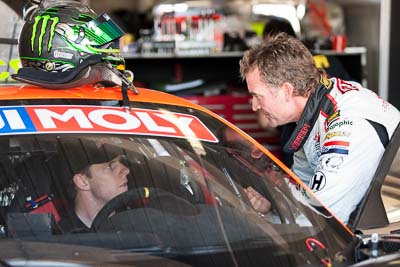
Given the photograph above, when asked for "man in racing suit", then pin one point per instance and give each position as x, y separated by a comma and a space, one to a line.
342, 128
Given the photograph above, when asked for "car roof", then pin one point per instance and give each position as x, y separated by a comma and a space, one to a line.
24, 91
27, 92
90, 92
364, 217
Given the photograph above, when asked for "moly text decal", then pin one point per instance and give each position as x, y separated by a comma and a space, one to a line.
80, 119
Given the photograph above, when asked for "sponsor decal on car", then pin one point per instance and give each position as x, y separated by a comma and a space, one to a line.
94, 119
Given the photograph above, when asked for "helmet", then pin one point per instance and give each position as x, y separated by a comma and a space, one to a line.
64, 44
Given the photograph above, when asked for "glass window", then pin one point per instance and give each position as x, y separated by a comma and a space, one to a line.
182, 199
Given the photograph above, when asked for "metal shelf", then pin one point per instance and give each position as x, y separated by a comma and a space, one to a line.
356, 50
223, 66
173, 55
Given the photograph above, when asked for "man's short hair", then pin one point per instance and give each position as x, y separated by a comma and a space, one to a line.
282, 59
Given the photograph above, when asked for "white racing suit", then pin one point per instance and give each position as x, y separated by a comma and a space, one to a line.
339, 141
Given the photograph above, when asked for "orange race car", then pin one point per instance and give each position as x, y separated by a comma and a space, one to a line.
115, 175
182, 176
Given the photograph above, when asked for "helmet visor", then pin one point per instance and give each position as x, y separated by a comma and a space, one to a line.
102, 30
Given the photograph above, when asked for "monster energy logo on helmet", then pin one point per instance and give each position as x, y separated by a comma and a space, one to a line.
46, 20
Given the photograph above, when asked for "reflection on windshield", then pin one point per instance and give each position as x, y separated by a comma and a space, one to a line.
157, 196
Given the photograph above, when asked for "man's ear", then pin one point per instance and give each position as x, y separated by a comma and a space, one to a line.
288, 90
81, 181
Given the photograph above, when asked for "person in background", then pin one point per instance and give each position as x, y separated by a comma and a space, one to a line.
341, 131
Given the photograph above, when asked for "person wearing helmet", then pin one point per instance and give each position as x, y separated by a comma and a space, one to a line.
65, 44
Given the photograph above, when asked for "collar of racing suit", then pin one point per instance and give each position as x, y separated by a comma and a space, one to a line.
318, 101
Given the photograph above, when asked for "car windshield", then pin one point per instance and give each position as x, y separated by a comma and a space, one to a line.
184, 196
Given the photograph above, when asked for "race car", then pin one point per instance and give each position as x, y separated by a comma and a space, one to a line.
108, 176
183, 200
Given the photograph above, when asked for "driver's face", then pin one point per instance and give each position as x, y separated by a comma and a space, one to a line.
108, 179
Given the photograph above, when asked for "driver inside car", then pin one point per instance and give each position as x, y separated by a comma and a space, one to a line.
93, 187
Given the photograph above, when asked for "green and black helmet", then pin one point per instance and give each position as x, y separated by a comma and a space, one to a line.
65, 44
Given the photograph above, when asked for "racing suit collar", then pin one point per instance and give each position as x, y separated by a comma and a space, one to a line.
316, 102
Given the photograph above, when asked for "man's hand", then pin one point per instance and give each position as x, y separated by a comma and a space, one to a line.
259, 203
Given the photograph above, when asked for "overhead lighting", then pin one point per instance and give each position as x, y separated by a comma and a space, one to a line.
180, 7
287, 12
301, 11
168, 8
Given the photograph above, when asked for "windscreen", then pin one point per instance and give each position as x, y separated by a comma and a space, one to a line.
165, 181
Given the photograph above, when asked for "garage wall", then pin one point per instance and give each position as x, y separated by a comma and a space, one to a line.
362, 18
11, 26
363, 26
394, 56
108, 6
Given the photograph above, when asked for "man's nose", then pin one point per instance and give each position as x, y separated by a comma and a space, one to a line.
255, 105
122, 170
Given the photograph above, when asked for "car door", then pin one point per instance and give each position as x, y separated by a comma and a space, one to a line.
379, 211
